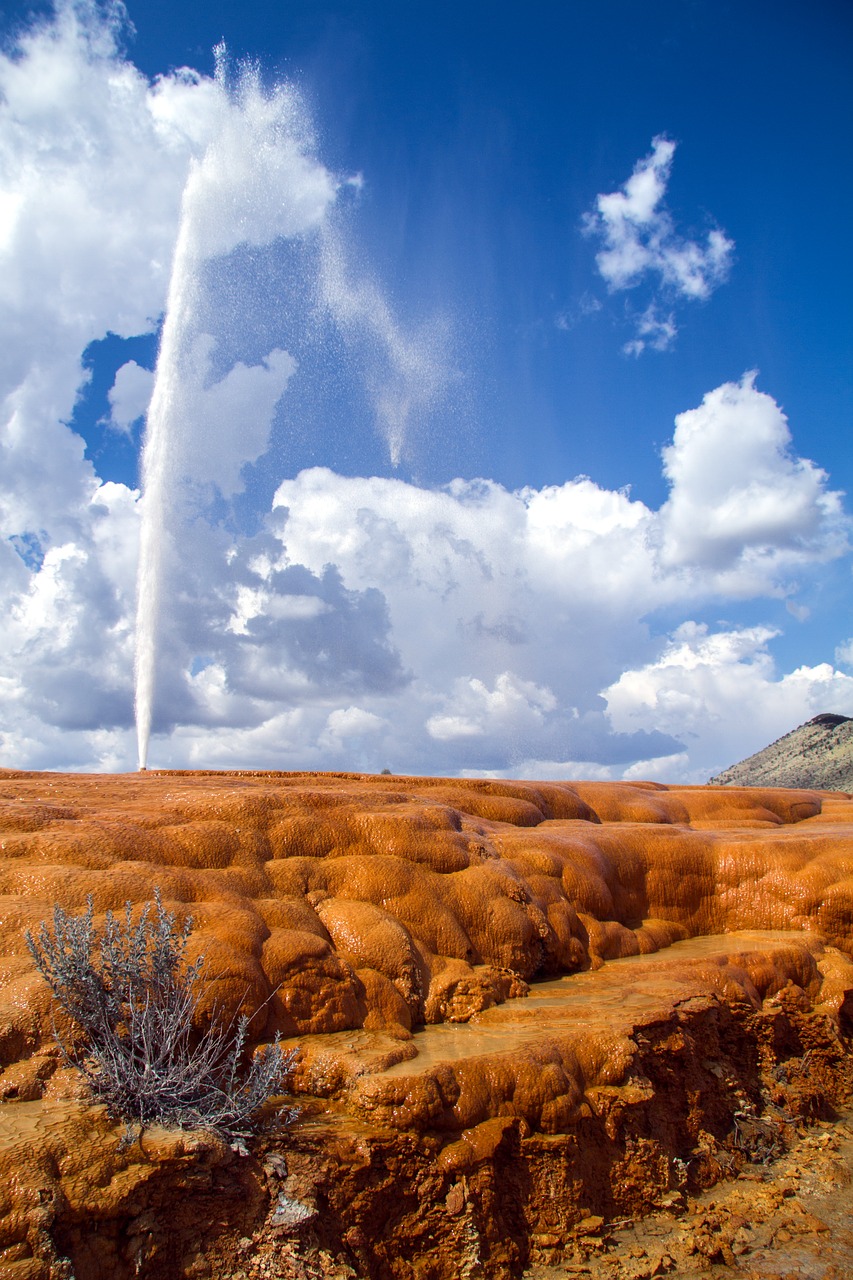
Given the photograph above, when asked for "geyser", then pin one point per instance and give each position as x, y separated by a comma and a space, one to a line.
256, 180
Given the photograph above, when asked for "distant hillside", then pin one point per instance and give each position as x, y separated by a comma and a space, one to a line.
818, 754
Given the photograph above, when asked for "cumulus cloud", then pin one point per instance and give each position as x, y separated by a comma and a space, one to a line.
721, 694
641, 244
218, 425
524, 601
740, 501
372, 623
474, 711
129, 395
67, 643
347, 726
93, 161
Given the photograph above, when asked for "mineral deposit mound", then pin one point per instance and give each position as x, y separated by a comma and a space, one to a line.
520, 1009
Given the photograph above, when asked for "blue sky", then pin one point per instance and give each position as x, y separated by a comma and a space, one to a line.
571, 226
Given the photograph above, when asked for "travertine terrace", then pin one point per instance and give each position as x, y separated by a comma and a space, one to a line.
347, 912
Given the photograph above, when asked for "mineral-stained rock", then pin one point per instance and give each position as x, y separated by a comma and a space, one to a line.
345, 912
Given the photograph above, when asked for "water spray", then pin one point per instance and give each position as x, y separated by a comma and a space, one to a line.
257, 180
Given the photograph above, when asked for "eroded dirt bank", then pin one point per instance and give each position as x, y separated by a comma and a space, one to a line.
371, 907
790, 1219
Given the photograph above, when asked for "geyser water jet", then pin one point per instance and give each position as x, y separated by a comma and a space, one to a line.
255, 180
162, 424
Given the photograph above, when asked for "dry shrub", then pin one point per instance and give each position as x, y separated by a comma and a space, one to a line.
132, 996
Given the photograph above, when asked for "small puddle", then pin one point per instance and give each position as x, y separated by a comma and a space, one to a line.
622, 991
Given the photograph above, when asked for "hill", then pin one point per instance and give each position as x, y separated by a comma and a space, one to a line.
818, 754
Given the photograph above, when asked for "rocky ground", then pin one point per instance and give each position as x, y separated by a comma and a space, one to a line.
788, 1219
784, 1220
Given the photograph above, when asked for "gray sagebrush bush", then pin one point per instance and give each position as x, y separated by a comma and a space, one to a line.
132, 995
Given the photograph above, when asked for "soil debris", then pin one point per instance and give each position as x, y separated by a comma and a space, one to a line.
785, 1220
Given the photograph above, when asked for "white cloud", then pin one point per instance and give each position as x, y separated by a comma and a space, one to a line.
653, 330
721, 694
219, 425
257, 603
512, 708
129, 395
93, 160
740, 502
661, 769
94, 167
844, 653
373, 623
641, 244
347, 725
552, 770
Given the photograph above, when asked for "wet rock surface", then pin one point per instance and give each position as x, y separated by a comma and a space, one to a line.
466, 1110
